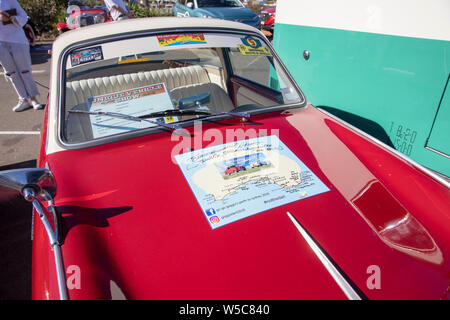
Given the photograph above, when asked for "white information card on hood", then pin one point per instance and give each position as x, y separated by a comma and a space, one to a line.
235, 180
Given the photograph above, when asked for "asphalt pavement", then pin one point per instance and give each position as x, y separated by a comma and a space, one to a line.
19, 131
19, 147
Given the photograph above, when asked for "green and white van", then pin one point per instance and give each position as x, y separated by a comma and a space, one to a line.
382, 66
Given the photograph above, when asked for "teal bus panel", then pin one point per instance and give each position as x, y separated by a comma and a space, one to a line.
389, 86
440, 134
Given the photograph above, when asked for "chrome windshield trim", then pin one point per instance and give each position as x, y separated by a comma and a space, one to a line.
397, 153
341, 281
139, 133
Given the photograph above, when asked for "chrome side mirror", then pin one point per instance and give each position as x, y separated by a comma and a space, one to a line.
37, 185
29, 180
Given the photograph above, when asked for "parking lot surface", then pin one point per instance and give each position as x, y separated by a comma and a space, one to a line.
19, 131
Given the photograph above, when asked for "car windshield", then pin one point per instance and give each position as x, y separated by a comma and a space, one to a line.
218, 3
154, 77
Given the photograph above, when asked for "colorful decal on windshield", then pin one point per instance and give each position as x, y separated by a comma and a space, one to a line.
124, 61
239, 179
181, 39
86, 55
253, 47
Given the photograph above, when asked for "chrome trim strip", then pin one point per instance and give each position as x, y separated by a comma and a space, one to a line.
397, 153
337, 276
438, 152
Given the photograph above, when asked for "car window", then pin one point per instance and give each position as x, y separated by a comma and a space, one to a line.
254, 68
259, 69
154, 76
218, 3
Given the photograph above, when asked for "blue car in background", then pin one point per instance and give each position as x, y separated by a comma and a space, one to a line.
232, 10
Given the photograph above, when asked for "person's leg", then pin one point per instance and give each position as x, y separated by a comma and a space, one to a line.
11, 70
21, 55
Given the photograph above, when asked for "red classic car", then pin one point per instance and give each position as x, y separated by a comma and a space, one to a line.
232, 170
130, 202
268, 19
81, 15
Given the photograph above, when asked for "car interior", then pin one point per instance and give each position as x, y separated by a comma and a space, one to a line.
234, 82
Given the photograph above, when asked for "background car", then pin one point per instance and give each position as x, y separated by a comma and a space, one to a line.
222, 9
268, 19
81, 15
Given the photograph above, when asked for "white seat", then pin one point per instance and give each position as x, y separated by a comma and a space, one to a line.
78, 91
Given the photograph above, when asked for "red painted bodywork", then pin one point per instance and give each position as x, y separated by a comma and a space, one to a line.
131, 227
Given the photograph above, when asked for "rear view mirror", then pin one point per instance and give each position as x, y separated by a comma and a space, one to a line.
37, 185
190, 5
37, 179
194, 101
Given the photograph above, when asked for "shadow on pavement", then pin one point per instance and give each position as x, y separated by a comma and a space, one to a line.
15, 242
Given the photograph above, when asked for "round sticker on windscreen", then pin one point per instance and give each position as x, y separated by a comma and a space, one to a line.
249, 41
253, 47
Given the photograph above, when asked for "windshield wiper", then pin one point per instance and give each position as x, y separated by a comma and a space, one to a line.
173, 128
195, 105
197, 111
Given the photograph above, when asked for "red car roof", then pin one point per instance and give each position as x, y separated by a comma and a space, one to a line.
270, 10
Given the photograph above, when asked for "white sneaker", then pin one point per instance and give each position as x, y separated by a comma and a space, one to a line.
36, 105
22, 105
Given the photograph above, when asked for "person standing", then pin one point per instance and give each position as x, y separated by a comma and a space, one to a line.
117, 10
15, 54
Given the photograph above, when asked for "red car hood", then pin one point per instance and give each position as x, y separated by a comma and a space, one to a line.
133, 227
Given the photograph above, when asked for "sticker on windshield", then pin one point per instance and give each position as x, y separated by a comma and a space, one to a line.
253, 47
239, 179
134, 102
86, 55
181, 39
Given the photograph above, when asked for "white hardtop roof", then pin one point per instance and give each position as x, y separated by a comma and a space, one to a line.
140, 25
